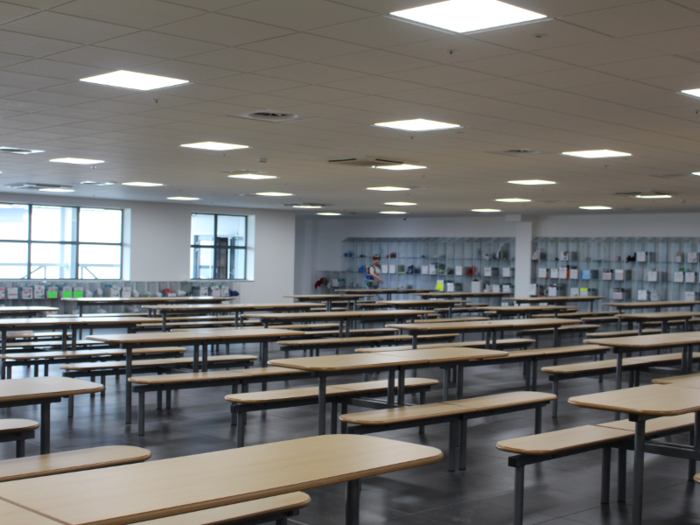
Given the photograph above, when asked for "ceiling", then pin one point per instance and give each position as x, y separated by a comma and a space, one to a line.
599, 74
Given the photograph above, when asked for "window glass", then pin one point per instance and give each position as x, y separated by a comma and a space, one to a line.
232, 229
98, 225
99, 262
202, 263
52, 261
53, 223
237, 270
203, 229
14, 222
13, 260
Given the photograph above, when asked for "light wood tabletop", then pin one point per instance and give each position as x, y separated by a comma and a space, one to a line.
43, 391
154, 489
344, 362
446, 354
446, 295
657, 305
685, 381
19, 311
664, 317
649, 400
12, 514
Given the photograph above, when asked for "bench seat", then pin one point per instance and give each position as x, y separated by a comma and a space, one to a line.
51, 344
71, 461
624, 333
562, 329
456, 413
255, 401
100, 366
18, 430
275, 508
355, 331
500, 345
337, 342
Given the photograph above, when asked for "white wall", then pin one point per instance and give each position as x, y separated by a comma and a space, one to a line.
160, 242
319, 239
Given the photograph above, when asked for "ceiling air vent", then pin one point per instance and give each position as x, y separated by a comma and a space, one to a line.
19, 151
270, 115
518, 152
364, 162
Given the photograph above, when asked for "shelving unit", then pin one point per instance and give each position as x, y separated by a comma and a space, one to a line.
419, 263
620, 268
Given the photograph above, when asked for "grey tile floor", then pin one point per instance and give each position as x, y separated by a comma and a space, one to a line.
560, 492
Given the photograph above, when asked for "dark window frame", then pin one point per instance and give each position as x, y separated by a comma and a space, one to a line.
217, 250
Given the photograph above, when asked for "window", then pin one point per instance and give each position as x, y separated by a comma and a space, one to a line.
219, 246
60, 242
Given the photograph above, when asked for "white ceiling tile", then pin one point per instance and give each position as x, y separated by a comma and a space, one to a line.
54, 69
160, 45
204, 92
300, 15
379, 32
440, 75
44, 119
637, 19
31, 46
67, 28
651, 67
239, 60
37, 4
86, 89
172, 114
10, 79
452, 49
222, 29
558, 8
374, 85
672, 42
676, 83
11, 12
142, 14
310, 73
539, 35
385, 6
495, 87
430, 96
303, 46
53, 99
311, 94
377, 62
597, 53
514, 65
119, 108
81, 114
184, 70
164, 99
210, 5
253, 83
22, 106
110, 59
565, 78
136, 120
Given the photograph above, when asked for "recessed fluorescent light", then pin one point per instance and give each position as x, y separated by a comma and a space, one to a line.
329, 213
596, 154
486, 210
57, 190
691, 92
388, 188
74, 160
214, 146
400, 167
401, 203
531, 182
462, 16
595, 207
252, 176
19, 151
183, 198
96, 183
696, 173
418, 124
308, 206
142, 184
653, 196
131, 80
513, 200
393, 212
274, 194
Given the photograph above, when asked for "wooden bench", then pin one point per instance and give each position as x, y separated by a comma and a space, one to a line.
634, 365
276, 508
47, 358
453, 319
232, 378
315, 345
51, 344
343, 395
624, 333
562, 443
456, 413
501, 344
71, 461
18, 430
359, 332
562, 329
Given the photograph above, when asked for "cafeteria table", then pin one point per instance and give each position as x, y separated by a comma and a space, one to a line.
167, 487
656, 305
43, 391
561, 299
26, 311
82, 302
664, 317
350, 299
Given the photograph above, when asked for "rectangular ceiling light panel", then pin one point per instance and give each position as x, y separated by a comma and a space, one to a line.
464, 16
131, 80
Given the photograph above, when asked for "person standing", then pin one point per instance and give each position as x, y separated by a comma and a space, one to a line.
372, 278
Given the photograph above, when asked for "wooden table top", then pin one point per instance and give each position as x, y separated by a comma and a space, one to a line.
685, 381
419, 302
567, 299
447, 354
13, 390
20, 309
231, 307
197, 334
326, 296
525, 309
649, 341
62, 321
460, 294
13, 514
651, 304
659, 316
335, 315
144, 300
154, 489
453, 320
477, 326
650, 400
380, 291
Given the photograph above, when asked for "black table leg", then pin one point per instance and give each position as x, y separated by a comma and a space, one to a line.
352, 503
45, 428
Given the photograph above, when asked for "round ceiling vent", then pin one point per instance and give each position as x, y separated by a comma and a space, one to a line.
273, 116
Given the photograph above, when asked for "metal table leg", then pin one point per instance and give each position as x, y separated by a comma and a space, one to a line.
321, 405
402, 386
638, 484
195, 360
352, 503
127, 374
391, 388
45, 428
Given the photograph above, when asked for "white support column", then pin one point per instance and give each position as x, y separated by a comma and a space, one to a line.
523, 258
